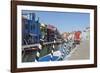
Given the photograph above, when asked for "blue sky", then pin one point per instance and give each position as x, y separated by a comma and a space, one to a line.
65, 21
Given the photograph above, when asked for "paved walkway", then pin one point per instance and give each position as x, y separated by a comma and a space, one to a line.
82, 51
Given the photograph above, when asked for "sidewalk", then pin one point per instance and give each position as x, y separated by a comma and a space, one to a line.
82, 51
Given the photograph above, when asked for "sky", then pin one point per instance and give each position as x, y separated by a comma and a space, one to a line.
64, 21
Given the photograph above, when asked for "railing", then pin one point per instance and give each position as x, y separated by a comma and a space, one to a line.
45, 43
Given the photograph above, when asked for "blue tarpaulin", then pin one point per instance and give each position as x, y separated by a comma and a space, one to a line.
48, 58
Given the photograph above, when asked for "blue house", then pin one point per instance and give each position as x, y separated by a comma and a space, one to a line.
30, 28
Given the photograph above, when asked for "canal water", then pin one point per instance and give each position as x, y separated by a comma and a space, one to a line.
59, 52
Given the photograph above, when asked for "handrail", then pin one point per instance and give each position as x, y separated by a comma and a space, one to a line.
45, 43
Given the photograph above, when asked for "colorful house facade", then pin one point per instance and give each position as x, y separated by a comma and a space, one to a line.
30, 28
